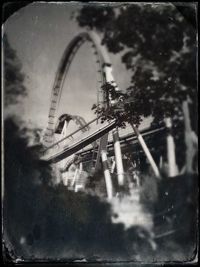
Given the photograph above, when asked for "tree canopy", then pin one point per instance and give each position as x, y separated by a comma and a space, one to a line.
158, 44
13, 82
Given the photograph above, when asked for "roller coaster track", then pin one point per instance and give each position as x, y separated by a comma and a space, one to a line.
129, 139
69, 150
104, 70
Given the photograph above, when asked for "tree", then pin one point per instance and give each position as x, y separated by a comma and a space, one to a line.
13, 82
158, 44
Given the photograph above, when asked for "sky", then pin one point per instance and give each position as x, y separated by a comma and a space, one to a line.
39, 33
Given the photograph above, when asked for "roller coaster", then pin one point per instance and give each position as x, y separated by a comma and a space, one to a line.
61, 148
98, 149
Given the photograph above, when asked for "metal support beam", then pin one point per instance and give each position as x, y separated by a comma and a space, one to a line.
118, 157
109, 187
171, 155
146, 151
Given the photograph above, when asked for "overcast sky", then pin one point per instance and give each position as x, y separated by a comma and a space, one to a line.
40, 33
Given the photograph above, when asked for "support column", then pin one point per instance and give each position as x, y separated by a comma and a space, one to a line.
109, 187
191, 139
75, 178
118, 157
146, 151
161, 162
171, 156
64, 130
113, 167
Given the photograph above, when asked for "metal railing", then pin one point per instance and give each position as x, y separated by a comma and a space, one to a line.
70, 135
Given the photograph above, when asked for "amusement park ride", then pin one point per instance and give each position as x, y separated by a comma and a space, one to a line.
68, 152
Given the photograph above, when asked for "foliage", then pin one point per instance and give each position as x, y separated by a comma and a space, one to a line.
158, 45
13, 81
43, 221
121, 107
